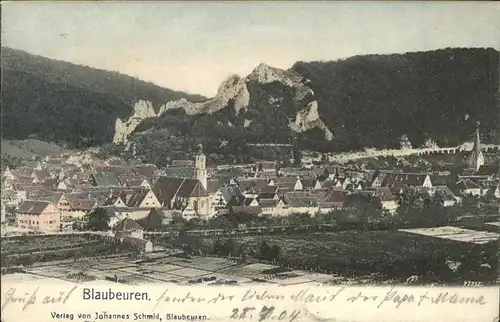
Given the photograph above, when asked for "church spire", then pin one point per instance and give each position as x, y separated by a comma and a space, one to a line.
477, 158
477, 140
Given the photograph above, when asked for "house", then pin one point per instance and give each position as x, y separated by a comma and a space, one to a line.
105, 179
377, 177
131, 183
75, 205
8, 174
266, 166
138, 198
488, 171
293, 183
180, 172
387, 199
407, 179
142, 245
78, 208
288, 171
182, 163
326, 207
7, 184
342, 183
251, 188
14, 198
448, 198
309, 183
320, 173
328, 184
337, 199
303, 205
273, 207
39, 176
269, 192
129, 227
129, 232
145, 170
469, 187
243, 210
231, 193
38, 215
250, 202
113, 218
22, 172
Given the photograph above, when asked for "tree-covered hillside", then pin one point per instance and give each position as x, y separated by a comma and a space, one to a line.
373, 100
63, 102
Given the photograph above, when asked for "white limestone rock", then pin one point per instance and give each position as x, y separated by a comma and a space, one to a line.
142, 110
308, 119
233, 88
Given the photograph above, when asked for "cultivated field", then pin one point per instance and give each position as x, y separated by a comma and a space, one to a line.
28, 244
383, 255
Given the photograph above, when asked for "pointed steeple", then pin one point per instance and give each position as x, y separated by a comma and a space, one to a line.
477, 140
477, 158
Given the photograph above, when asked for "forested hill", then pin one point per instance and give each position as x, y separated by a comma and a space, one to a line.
63, 102
373, 100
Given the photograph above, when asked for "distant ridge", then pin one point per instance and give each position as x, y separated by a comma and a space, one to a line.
79, 104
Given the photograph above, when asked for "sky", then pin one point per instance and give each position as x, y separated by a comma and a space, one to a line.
194, 46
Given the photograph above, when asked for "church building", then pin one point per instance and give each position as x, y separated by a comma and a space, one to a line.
186, 188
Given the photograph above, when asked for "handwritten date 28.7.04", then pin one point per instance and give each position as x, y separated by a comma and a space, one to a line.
266, 313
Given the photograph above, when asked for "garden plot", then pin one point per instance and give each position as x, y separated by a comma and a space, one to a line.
207, 263
251, 271
150, 272
113, 264
108, 273
457, 234
160, 267
54, 271
217, 279
287, 279
137, 280
190, 272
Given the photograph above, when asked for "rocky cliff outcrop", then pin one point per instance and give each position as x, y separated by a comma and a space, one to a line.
232, 89
142, 110
233, 93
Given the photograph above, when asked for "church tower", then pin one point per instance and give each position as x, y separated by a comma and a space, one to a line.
200, 166
476, 159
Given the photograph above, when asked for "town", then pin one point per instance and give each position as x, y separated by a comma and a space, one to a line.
79, 207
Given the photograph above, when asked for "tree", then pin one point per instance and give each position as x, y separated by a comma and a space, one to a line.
299, 219
264, 249
98, 220
153, 221
362, 209
274, 253
220, 222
